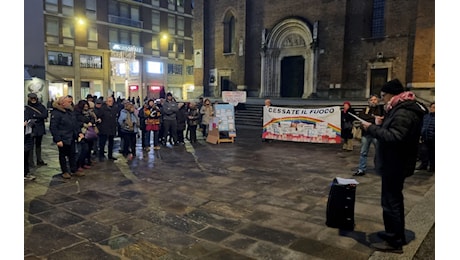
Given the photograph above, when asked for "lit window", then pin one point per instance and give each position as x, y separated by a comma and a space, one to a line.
154, 67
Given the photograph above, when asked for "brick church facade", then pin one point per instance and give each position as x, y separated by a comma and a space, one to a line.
313, 49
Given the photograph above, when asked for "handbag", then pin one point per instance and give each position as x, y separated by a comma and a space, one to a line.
90, 133
152, 127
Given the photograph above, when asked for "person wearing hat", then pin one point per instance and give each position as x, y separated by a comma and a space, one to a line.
36, 111
398, 133
347, 126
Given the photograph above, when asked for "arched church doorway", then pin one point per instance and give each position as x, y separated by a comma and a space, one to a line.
292, 76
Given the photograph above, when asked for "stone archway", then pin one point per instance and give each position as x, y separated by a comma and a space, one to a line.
289, 38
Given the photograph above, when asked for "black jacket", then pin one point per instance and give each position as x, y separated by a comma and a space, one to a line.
369, 114
63, 125
38, 116
398, 138
108, 116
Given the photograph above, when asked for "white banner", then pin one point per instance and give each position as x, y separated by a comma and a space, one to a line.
317, 125
234, 97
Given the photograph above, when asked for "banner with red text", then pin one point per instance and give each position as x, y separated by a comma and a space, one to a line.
316, 125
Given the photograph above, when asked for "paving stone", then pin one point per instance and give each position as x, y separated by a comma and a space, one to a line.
213, 234
133, 226
36, 206
55, 197
93, 231
82, 207
268, 234
43, 239
95, 196
60, 217
325, 251
84, 251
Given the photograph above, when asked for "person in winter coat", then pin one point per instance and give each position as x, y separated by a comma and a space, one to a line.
28, 145
65, 130
37, 111
347, 126
108, 125
427, 138
207, 112
193, 120
373, 110
398, 135
169, 112
129, 129
152, 117
181, 118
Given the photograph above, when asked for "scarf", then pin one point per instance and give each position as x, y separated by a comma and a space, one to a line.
404, 96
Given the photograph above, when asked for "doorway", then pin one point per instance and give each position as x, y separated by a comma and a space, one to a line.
292, 76
378, 78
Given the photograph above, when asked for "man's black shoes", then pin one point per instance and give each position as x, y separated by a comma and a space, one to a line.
113, 158
391, 238
387, 247
359, 173
41, 163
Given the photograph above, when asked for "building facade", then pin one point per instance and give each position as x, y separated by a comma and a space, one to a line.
313, 49
118, 47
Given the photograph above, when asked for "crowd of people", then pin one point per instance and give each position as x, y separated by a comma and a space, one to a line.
398, 128
84, 132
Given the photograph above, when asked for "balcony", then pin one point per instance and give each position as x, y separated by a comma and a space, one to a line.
125, 21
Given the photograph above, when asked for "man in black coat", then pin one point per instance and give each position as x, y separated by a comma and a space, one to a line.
65, 130
398, 134
108, 114
37, 112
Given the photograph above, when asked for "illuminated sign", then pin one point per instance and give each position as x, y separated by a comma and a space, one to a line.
133, 87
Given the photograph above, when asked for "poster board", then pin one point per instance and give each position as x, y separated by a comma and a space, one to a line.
222, 128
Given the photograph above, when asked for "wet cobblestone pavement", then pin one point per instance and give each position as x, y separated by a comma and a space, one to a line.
243, 200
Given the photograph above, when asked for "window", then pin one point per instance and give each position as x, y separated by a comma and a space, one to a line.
51, 6
155, 21
180, 46
180, 26
172, 24
229, 34
135, 13
60, 58
156, 2
155, 46
124, 37
180, 6
52, 30
67, 7
90, 61
91, 9
154, 67
124, 10
378, 19
171, 47
113, 35
68, 33
171, 5
92, 37
189, 70
174, 69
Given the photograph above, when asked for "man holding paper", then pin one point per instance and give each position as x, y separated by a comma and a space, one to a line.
398, 135
369, 114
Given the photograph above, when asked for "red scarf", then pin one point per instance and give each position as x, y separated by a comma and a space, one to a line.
404, 96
